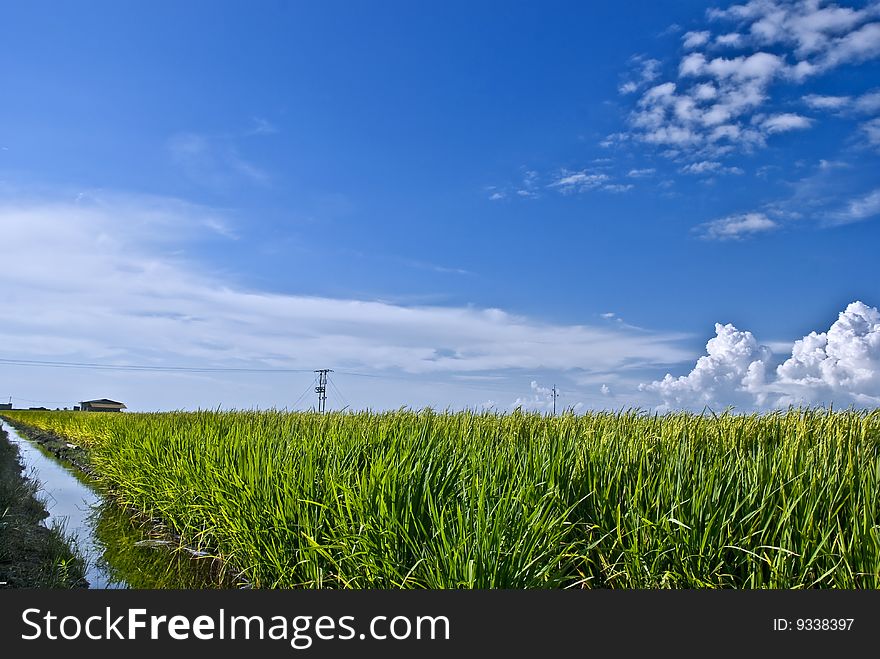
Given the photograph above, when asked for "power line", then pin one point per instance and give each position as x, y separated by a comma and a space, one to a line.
302, 395
342, 398
45, 402
230, 369
144, 367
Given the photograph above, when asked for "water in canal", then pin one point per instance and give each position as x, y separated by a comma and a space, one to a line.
119, 551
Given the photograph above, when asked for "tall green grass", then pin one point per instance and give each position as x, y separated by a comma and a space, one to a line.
465, 500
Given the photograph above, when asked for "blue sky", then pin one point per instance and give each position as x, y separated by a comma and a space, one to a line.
462, 203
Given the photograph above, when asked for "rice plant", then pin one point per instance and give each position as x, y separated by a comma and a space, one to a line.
483, 500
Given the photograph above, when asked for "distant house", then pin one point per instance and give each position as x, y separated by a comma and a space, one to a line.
5, 406
101, 405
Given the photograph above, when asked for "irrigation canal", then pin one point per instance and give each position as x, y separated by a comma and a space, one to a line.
120, 552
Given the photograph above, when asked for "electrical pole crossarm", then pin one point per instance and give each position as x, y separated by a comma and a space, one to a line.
321, 389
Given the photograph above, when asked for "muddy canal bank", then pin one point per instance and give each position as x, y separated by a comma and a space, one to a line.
33, 554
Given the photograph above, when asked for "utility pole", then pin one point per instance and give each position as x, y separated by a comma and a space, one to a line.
321, 389
555, 396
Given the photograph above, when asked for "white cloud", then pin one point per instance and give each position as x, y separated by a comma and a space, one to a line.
818, 102
570, 182
735, 227
641, 173
109, 281
709, 167
840, 366
829, 34
853, 48
541, 400
618, 187
730, 40
648, 70
872, 131
861, 208
715, 107
868, 103
780, 123
826, 165
734, 363
529, 186
695, 39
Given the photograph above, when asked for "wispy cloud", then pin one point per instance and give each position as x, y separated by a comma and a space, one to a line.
736, 227
863, 104
781, 123
646, 71
618, 187
213, 162
121, 290
441, 269
709, 167
871, 129
858, 209
820, 102
262, 126
529, 186
568, 182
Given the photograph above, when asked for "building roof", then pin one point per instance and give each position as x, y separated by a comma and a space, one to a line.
103, 402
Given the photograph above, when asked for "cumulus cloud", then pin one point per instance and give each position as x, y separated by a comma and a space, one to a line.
694, 39
829, 35
718, 103
730, 40
842, 364
839, 366
736, 227
733, 364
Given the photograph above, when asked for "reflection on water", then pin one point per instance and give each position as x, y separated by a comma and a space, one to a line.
137, 558
120, 551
